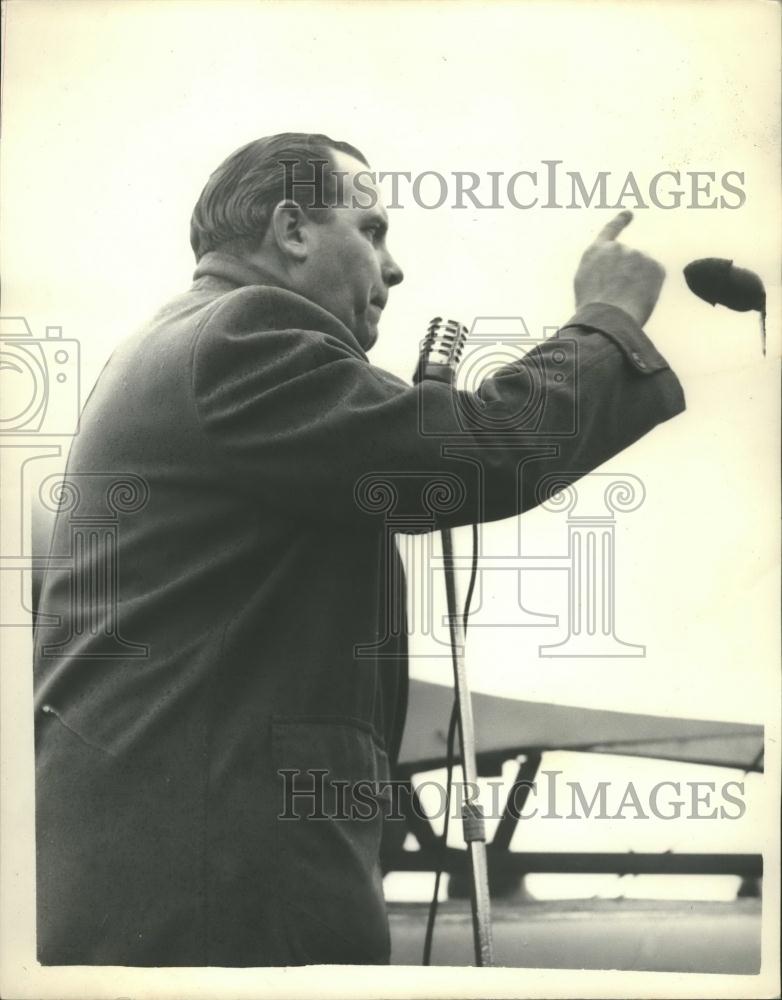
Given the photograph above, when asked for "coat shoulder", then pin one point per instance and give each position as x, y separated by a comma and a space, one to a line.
266, 307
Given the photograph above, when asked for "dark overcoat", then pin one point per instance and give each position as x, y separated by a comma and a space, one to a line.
220, 611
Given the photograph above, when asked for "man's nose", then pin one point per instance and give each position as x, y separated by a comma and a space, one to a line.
392, 272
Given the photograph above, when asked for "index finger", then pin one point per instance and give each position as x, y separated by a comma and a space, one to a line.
612, 229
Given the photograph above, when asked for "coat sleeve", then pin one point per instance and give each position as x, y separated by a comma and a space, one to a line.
307, 425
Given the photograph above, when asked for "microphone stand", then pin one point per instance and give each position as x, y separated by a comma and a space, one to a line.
472, 814
440, 354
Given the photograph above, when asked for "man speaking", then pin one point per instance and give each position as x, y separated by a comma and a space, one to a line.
249, 413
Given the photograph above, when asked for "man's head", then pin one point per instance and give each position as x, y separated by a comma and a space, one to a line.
292, 204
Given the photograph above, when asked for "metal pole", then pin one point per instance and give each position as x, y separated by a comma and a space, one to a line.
472, 815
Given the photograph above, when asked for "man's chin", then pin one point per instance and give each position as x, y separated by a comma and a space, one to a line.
367, 335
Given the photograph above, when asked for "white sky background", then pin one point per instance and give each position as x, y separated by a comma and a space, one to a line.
115, 113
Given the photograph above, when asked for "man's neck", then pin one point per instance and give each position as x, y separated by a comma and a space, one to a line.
241, 269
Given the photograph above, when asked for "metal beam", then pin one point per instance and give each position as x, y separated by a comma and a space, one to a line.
518, 862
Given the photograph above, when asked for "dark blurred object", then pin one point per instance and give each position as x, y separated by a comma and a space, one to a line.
717, 281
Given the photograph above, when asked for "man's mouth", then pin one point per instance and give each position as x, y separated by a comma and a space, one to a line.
379, 301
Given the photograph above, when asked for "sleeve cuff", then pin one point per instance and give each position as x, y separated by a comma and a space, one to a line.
619, 327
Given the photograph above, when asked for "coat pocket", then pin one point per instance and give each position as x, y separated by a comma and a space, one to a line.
330, 773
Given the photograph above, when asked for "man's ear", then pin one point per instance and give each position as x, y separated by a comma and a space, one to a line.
290, 228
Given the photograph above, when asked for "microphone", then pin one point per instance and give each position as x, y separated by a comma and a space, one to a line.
717, 280
441, 351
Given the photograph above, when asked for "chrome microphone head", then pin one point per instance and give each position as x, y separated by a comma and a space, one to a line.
441, 350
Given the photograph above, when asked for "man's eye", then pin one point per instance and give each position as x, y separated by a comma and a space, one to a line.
374, 233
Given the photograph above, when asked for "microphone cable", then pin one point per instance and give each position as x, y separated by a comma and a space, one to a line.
450, 764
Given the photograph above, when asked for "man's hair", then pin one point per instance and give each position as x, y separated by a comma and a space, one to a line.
235, 207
